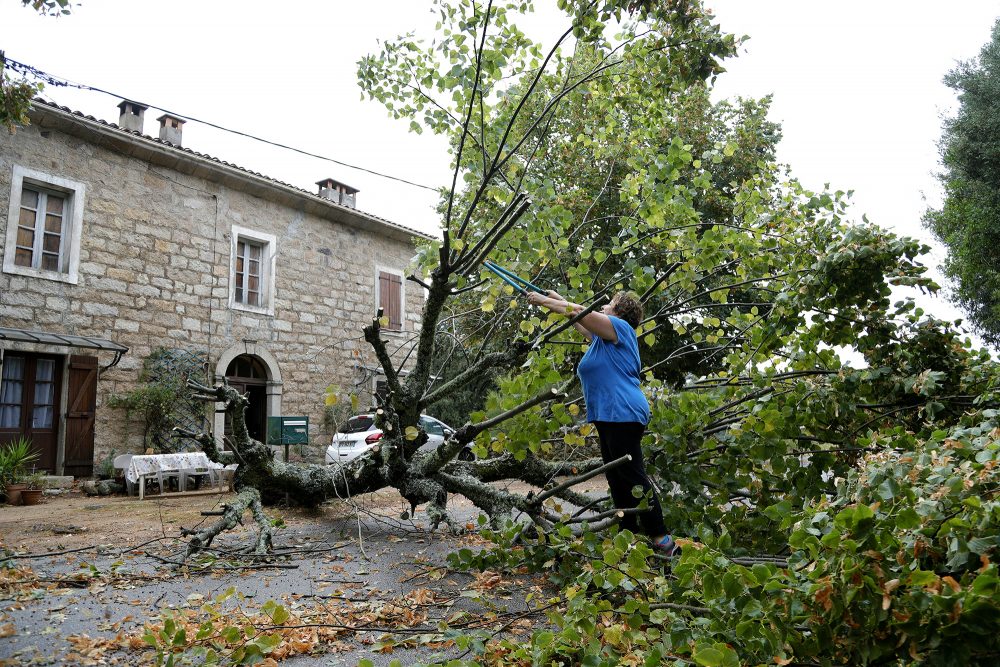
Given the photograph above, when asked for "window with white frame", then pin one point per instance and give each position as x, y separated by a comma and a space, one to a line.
44, 225
251, 271
389, 297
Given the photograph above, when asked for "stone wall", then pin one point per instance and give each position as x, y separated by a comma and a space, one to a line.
154, 270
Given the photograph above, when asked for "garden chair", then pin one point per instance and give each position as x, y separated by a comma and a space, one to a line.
121, 462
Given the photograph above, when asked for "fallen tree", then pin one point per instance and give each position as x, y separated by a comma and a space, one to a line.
599, 165
423, 478
695, 45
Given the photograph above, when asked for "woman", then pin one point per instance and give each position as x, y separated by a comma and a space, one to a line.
609, 373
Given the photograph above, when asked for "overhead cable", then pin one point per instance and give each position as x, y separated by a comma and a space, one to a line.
52, 80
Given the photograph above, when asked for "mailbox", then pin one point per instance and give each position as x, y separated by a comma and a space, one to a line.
288, 431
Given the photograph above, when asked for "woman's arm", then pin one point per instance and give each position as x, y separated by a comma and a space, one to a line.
590, 325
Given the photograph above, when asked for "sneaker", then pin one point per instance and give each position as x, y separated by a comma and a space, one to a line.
668, 547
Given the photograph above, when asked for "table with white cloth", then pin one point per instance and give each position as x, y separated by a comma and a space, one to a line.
179, 464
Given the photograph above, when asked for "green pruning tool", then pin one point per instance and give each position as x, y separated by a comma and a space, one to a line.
512, 279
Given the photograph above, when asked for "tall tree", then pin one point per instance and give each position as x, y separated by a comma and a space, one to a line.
968, 222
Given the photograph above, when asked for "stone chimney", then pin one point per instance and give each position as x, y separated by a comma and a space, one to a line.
131, 116
170, 129
338, 192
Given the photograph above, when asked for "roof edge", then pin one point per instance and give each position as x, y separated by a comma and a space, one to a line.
151, 149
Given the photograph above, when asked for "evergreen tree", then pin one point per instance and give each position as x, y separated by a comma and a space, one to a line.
968, 223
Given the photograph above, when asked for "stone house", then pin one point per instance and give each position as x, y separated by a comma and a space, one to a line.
116, 245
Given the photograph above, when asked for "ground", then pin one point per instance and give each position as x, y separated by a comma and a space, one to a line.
89, 577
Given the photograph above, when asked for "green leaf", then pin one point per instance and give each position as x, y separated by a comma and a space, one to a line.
709, 657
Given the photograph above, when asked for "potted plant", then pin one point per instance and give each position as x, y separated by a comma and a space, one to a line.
33, 494
14, 459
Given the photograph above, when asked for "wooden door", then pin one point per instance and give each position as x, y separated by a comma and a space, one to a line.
30, 387
80, 414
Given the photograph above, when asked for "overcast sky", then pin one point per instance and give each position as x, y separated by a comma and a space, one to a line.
857, 87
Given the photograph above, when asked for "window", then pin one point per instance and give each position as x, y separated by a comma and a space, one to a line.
248, 282
44, 226
358, 424
390, 298
252, 271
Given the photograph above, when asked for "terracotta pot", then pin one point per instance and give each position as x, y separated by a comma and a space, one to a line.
14, 491
31, 496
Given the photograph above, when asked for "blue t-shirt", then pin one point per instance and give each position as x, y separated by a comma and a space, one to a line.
609, 373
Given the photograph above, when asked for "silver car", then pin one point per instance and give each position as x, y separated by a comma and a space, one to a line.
358, 435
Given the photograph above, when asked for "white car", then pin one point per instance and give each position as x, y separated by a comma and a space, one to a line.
358, 435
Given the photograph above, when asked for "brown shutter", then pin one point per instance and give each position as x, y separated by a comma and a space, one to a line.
82, 406
390, 290
395, 302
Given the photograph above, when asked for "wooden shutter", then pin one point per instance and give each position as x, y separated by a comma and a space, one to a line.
390, 298
82, 407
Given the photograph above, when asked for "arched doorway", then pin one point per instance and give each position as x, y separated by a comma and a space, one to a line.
247, 375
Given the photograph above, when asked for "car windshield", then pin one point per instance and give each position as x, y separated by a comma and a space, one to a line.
357, 424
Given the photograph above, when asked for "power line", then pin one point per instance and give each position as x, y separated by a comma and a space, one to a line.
53, 80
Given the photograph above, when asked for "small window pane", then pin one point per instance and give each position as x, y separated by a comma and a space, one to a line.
54, 204
50, 262
29, 198
42, 417
53, 223
27, 218
254, 253
25, 237
50, 243
22, 257
11, 390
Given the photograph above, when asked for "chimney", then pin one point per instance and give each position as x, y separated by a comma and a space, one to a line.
131, 116
338, 192
170, 129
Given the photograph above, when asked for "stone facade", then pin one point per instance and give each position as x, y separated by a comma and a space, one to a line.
155, 268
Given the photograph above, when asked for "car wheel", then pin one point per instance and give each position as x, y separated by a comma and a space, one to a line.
466, 455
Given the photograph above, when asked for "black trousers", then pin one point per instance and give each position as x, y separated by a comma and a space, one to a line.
617, 440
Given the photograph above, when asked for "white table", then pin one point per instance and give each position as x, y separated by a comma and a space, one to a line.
180, 464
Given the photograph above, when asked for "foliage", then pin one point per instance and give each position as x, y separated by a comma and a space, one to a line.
899, 565
968, 222
161, 401
106, 468
335, 411
599, 165
49, 7
15, 98
14, 459
35, 480
213, 635
16, 94
153, 404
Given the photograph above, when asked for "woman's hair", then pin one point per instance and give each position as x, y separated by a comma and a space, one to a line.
628, 308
